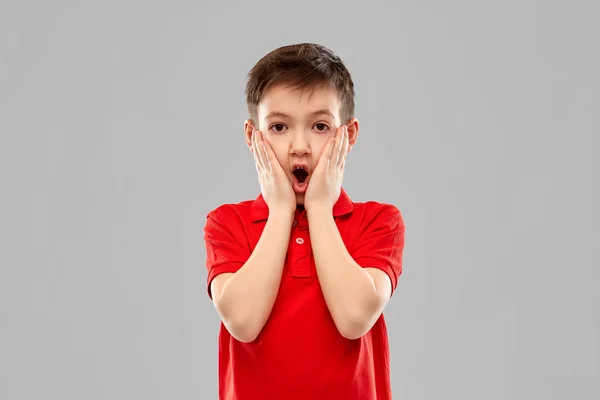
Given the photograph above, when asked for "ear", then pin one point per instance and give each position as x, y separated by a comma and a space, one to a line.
353, 128
248, 129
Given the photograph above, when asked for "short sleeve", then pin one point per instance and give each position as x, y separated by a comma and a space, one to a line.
380, 244
224, 252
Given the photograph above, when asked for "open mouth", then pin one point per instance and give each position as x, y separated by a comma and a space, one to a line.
300, 174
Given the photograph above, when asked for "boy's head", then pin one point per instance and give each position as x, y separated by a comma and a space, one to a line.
284, 90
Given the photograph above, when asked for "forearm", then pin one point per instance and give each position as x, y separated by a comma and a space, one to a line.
247, 297
349, 291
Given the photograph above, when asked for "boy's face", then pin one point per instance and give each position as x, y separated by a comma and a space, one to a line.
297, 125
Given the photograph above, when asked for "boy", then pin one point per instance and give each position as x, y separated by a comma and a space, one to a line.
300, 275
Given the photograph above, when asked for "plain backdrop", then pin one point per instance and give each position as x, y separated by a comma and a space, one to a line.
121, 128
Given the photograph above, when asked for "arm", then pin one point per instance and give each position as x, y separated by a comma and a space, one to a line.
355, 293
244, 299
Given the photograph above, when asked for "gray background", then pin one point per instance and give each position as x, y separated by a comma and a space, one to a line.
121, 127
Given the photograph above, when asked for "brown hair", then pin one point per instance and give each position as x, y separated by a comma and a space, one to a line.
303, 66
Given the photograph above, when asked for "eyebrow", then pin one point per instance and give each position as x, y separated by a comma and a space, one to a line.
312, 114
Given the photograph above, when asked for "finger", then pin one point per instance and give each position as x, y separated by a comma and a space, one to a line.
344, 150
256, 148
338, 145
269, 155
262, 152
328, 151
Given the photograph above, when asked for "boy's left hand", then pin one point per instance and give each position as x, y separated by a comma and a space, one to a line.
325, 183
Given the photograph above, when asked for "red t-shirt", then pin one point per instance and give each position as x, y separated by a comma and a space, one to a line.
299, 354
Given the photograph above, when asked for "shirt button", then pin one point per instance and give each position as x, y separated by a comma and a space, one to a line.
295, 223
299, 240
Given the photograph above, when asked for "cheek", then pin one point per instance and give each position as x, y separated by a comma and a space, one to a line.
276, 145
321, 145
280, 153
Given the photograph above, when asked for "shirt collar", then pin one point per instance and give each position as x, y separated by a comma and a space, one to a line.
260, 211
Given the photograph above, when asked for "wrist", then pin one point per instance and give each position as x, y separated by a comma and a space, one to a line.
319, 209
283, 213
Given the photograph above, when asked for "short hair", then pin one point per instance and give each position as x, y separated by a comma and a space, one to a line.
305, 67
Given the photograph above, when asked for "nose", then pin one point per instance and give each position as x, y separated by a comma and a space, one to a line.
300, 146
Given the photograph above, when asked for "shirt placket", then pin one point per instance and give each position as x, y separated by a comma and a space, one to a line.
299, 247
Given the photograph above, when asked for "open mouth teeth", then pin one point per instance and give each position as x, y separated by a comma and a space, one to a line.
300, 174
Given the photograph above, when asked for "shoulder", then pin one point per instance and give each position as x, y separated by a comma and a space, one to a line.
230, 214
370, 212
230, 209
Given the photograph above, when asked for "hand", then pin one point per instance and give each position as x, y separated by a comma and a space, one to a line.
275, 186
325, 184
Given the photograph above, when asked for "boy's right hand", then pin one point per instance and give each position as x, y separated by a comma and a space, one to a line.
275, 186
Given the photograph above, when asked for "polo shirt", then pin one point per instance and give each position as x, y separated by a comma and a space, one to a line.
299, 354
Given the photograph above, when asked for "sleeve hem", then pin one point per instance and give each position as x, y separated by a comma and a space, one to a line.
375, 263
218, 270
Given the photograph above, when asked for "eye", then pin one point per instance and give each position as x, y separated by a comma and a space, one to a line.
323, 126
277, 125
